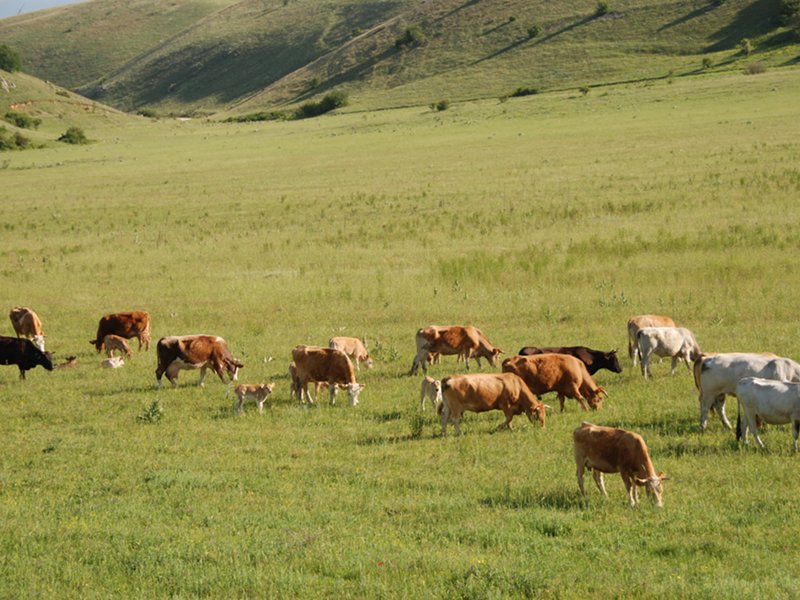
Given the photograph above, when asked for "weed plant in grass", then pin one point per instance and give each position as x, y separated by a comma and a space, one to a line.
547, 220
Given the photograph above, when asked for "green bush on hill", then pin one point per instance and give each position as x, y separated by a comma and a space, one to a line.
413, 37
266, 115
13, 141
21, 120
330, 102
73, 135
9, 59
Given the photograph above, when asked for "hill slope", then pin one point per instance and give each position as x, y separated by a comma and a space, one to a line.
214, 55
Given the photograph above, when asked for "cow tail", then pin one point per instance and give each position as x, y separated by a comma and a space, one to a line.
697, 369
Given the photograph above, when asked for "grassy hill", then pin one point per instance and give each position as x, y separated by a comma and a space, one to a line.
206, 56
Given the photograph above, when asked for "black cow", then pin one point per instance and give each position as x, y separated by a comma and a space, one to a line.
22, 352
593, 359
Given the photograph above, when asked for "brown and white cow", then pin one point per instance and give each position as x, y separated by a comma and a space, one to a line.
560, 373
432, 390
355, 349
125, 324
609, 450
26, 324
195, 352
114, 342
481, 392
315, 364
251, 391
639, 321
466, 342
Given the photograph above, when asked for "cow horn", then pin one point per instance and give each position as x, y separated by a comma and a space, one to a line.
547, 406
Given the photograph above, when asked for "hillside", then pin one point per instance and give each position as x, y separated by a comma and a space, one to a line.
207, 56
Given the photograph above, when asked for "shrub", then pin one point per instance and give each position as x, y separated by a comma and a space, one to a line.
746, 46
329, 102
13, 141
413, 37
146, 112
271, 115
755, 68
707, 63
602, 8
534, 31
788, 11
584, 89
9, 59
63, 93
524, 91
440, 105
152, 414
22, 121
73, 135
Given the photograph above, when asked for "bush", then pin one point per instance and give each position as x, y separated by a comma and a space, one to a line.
22, 121
440, 105
524, 91
330, 102
788, 11
413, 37
73, 135
13, 141
746, 46
152, 414
707, 63
755, 68
9, 59
534, 31
147, 113
272, 115
602, 8
584, 90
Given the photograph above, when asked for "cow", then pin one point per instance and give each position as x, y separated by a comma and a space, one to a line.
774, 402
432, 389
316, 364
481, 392
26, 324
23, 353
560, 373
354, 348
716, 375
113, 362
639, 321
114, 342
195, 352
254, 391
593, 359
296, 386
609, 450
125, 324
676, 342
466, 342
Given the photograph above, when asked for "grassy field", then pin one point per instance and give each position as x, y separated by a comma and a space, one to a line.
543, 220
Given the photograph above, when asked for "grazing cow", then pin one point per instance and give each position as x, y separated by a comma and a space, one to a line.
251, 391
354, 348
774, 402
315, 364
26, 324
609, 450
593, 359
295, 386
432, 389
23, 353
195, 352
113, 362
636, 323
716, 375
480, 392
676, 342
560, 373
125, 324
113, 342
466, 342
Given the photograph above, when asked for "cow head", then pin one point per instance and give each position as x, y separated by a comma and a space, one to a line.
536, 409
612, 362
596, 398
233, 365
45, 359
654, 488
353, 389
494, 357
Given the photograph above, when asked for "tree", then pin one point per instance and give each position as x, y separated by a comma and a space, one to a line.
9, 59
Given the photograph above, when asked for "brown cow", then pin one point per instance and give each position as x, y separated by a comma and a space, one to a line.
636, 323
254, 391
480, 392
315, 364
609, 450
560, 373
125, 324
466, 342
114, 342
354, 348
195, 352
26, 324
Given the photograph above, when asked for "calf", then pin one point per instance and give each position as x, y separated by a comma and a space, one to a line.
593, 359
251, 391
639, 321
608, 450
114, 342
676, 342
488, 391
315, 364
432, 389
560, 373
774, 402
26, 324
113, 362
23, 353
354, 348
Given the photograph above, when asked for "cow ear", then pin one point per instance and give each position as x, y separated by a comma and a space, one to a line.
614, 351
662, 476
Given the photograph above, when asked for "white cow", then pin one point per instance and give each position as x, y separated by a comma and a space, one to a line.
774, 402
716, 375
432, 389
676, 342
639, 321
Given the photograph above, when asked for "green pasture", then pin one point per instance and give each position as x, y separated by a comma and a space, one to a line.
543, 220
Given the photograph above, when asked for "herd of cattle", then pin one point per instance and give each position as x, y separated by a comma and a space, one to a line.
767, 386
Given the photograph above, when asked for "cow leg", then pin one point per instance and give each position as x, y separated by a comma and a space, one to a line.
22, 374
332, 391
420, 359
645, 365
239, 404
719, 406
261, 406
202, 375
705, 405
598, 480
561, 402
630, 487
795, 431
582, 401
579, 475
444, 417
674, 364
507, 423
